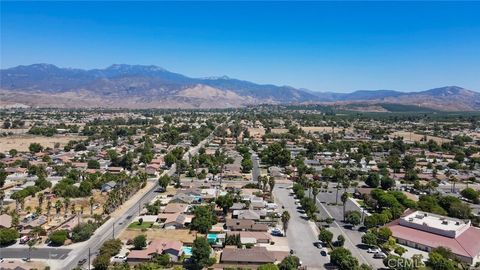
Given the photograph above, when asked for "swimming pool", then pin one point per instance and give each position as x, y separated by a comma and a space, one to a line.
187, 251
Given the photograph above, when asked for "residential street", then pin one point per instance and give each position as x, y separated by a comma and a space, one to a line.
301, 233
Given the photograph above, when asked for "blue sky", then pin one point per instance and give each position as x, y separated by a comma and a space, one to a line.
322, 46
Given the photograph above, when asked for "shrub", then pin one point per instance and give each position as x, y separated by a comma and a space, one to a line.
8, 236
58, 238
83, 232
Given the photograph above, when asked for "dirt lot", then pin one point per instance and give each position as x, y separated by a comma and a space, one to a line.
172, 235
279, 130
324, 129
256, 132
417, 137
21, 143
32, 202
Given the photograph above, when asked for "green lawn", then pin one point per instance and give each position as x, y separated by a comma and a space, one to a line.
136, 225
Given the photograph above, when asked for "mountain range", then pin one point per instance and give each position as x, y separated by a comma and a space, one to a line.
140, 86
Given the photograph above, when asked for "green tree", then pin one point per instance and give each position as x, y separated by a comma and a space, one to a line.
354, 218
470, 194
438, 262
387, 183
373, 180
289, 263
8, 236
409, 162
325, 236
93, 164
225, 202
164, 181
203, 219
369, 239
140, 242
101, 262
201, 251
35, 147
340, 241
57, 238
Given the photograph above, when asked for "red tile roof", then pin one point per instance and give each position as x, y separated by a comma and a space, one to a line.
466, 244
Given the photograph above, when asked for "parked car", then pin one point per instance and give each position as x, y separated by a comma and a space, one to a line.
277, 232
82, 261
24, 239
324, 252
379, 255
318, 244
119, 258
374, 250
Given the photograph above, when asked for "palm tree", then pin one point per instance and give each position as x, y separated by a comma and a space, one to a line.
72, 208
30, 244
454, 180
344, 200
97, 218
40, 198
285, 220
66, 203
2, 197
271, 183
36, 231
58, 207
49, 207
264, 182
315, 192
92, 203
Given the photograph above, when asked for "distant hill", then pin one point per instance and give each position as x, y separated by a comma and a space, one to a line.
140, 86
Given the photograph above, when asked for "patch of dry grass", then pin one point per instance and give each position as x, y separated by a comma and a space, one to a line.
21, 142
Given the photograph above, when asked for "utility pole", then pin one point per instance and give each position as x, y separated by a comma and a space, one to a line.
89, 258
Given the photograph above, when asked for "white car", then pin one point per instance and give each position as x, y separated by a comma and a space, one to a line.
379, 255
374, 250
119, 258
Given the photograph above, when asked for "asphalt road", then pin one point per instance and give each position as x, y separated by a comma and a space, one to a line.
36, 253
300, 233
256, 167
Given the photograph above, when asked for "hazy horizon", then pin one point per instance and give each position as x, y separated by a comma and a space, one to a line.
242, 79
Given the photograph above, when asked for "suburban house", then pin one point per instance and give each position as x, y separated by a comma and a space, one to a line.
157, 247
245, 225
107, 187
254, 255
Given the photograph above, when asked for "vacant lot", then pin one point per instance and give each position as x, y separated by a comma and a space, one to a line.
279, 130
324, 129
21, 143
256, 132
410, 136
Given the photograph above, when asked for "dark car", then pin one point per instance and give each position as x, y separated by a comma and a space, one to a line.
82, 261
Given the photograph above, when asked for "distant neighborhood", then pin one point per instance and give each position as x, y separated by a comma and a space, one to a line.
256, 188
